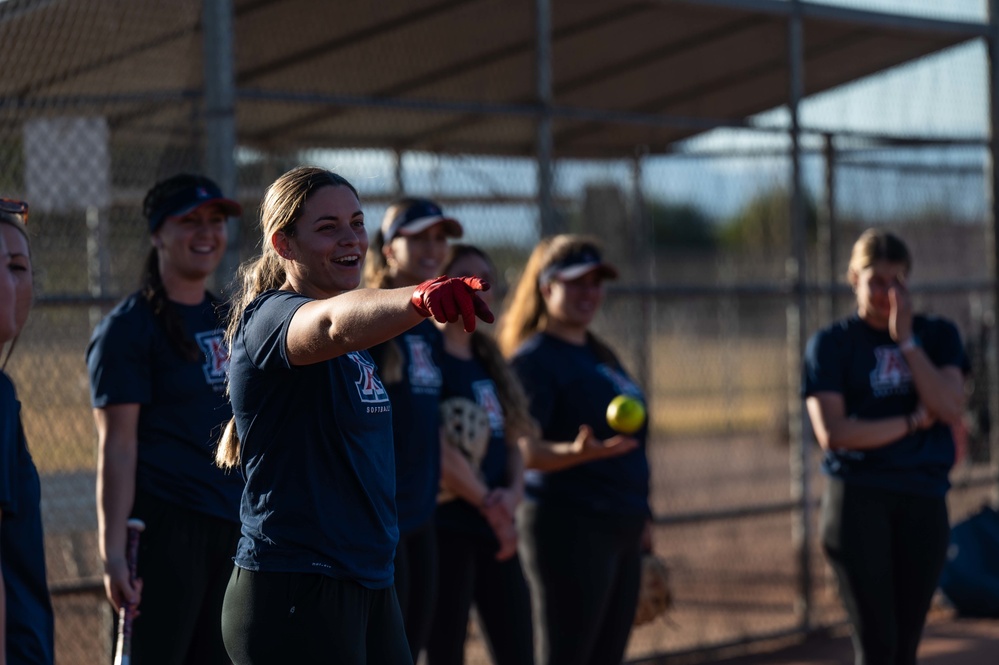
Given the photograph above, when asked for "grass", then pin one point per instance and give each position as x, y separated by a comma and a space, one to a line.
710, 386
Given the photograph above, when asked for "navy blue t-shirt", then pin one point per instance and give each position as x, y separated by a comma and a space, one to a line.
183, 407
866, 367
416, 423
569, 386
317, 455
469, 379
29, 625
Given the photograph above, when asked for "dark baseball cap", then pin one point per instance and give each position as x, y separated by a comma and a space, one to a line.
181, 194
411, 216
577, 263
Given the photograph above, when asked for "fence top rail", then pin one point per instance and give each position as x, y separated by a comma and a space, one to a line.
669, 291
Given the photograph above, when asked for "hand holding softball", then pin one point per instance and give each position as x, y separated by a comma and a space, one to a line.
590, 447
447, 298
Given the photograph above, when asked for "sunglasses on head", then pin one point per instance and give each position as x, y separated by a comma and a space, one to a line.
15, 207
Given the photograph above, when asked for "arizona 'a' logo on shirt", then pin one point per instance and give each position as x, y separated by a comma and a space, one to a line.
216, 365
369, 387
891, 374
423, 373
486, 397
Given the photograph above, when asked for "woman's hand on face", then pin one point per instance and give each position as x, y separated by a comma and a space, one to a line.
900, 318
589, 446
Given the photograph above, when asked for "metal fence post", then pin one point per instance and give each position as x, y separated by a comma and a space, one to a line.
544, 142
992, 238
827, 257
398, 177
220, 116
796, 329
643, 238
98, 262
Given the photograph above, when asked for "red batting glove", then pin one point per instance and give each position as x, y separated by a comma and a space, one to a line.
446, 298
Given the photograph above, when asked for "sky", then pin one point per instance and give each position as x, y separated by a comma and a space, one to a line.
944, 95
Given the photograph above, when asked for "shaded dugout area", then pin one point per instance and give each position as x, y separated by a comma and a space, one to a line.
100, 99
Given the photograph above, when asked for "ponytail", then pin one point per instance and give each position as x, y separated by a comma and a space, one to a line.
279, 212
254, 277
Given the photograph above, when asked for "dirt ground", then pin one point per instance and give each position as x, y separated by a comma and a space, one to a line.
734, 579
947, 640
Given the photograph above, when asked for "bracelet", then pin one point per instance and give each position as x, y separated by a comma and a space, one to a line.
912, 422
909, 344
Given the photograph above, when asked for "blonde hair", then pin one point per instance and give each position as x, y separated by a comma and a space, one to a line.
377, 273
874, 245
279, 212
525, 311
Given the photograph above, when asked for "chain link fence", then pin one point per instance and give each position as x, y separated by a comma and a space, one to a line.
700, 228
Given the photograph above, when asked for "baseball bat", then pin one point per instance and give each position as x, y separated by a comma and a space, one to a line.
123, 649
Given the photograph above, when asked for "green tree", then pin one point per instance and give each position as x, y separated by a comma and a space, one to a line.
680, 225
764, 225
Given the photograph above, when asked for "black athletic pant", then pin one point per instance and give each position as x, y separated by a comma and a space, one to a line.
887, 550
284, 618
416, 584
584, 571
185, 558
469, 572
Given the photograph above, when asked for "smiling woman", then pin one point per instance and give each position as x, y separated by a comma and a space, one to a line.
157, 367
312, 433
586, 519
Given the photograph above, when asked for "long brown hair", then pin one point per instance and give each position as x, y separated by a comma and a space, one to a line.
525, 311
279, 212
516, 411
378, 275
165, 313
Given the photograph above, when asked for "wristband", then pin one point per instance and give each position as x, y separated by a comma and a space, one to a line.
912, 422
909, 344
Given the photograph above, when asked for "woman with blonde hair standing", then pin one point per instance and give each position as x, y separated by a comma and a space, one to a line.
883, 388
312, 433
587, 512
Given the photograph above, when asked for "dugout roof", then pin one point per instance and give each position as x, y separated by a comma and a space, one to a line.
445, 75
